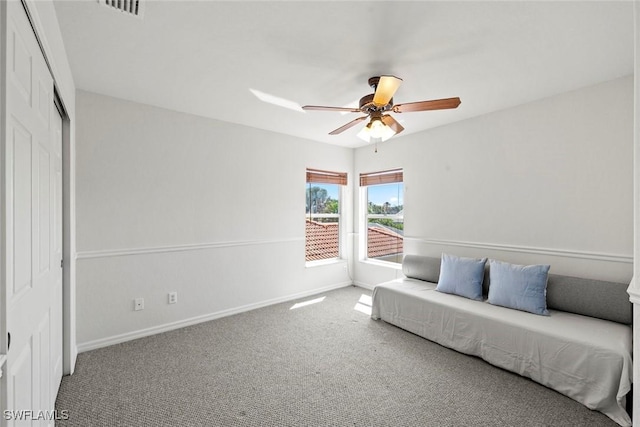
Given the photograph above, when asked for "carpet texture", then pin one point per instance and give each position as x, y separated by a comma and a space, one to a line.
324, 364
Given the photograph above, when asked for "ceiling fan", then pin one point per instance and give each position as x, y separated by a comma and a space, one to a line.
376, 105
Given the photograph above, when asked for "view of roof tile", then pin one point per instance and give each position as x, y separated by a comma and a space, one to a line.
322, 241
383, 242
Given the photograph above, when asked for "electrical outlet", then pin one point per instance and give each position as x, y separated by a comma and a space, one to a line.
138, 304
173, 297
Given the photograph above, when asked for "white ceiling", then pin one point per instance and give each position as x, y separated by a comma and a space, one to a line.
202, 57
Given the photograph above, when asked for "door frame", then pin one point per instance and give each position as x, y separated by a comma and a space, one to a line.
68, 327
69, 349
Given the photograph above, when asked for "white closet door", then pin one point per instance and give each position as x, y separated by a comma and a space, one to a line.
32, 241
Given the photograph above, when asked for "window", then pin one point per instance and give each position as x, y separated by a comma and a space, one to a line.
322, 229
383, 193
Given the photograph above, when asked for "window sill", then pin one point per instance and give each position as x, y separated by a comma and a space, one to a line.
385, 264
319, 263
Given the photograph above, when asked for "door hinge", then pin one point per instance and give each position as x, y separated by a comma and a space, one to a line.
61, 262
8, 341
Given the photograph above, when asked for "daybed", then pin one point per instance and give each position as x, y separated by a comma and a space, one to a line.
582, 349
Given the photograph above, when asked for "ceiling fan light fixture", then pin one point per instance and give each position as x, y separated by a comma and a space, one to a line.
376, 130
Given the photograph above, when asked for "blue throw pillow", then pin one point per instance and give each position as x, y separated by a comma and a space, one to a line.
461, 276
523, 287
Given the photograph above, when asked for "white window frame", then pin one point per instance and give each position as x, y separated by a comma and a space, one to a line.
342, 192
363, 217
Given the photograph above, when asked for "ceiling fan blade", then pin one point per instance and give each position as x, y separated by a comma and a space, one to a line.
387, 86
321, 108
392, 123
436, 104
348, 125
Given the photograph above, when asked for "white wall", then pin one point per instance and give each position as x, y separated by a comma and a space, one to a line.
173, 202
546, 182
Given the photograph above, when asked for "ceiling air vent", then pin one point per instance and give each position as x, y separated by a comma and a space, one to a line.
130, 7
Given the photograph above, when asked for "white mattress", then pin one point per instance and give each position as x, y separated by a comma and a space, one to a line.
582, 357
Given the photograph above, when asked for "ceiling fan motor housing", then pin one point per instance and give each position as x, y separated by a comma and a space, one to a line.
367, 105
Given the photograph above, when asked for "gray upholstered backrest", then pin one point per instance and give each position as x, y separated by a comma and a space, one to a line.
485, 282
428, 269
594, 298
421, 267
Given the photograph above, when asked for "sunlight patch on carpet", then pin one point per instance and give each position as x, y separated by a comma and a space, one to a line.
305, 303
364, 304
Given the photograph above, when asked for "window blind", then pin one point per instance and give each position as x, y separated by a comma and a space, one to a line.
383, 177
327, 177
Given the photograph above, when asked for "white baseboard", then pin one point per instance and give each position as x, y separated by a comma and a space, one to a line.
117, 339
364, 285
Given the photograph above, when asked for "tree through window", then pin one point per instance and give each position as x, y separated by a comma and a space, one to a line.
322, 228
